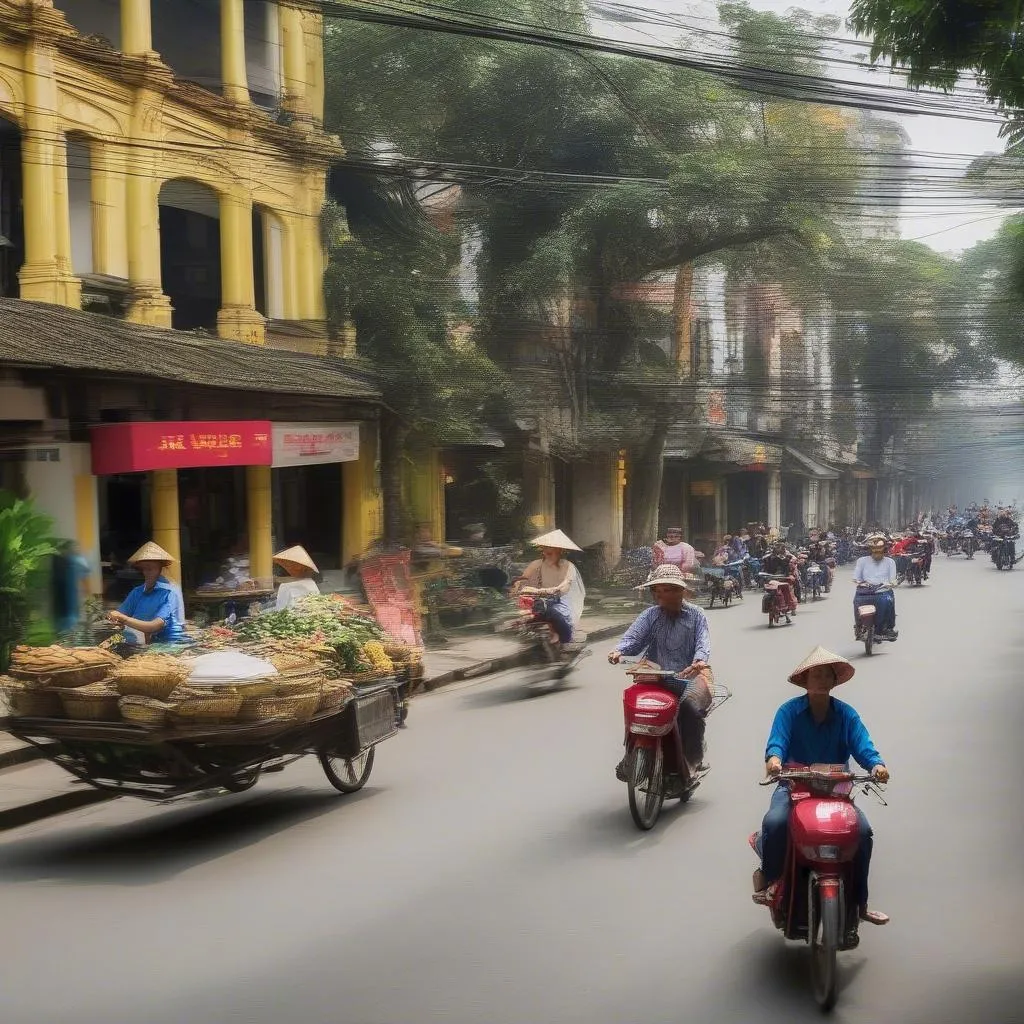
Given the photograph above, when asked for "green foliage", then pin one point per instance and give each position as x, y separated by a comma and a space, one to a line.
26, 542
937, 42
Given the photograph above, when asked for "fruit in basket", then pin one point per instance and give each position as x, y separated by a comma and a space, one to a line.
379, 661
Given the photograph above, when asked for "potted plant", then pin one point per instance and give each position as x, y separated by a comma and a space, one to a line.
25, 543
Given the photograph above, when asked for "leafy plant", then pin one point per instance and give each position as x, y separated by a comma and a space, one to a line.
26, 541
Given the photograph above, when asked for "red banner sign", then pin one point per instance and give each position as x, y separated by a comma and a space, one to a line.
139, 447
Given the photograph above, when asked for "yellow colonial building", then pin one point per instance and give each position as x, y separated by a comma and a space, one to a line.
164, 162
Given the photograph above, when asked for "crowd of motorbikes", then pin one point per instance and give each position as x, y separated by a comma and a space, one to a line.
821, 911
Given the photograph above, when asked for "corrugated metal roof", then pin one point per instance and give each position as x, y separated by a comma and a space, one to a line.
40, 335
811, 467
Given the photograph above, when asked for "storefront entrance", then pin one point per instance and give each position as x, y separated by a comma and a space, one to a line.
308, 511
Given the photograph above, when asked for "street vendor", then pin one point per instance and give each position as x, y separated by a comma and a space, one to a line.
301, 568
154, 608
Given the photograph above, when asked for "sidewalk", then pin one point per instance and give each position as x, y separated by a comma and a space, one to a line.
495, 652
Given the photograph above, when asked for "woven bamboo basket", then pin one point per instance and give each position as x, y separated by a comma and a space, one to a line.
96, 702
81, 675
295, 708
373, 676
145, 711
30, 702
201, 707
157, 684
292, 662
299, 682
334, 695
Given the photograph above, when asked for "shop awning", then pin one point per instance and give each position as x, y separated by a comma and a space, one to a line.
741, 450
806, 466
685, 440
34, 334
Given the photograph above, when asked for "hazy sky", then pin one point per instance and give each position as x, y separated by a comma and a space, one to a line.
951, 226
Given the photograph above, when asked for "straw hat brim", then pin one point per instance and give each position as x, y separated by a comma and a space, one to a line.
296, 558
556, 539
152, 552
688, 584
820, 656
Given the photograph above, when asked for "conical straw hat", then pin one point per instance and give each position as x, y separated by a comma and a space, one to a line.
819, 656
295, 558
556, 539
671, 576
151, 552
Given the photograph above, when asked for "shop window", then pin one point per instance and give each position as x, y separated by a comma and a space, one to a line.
12, 234
263, 53
190, 253
98, 18
186, 34
268, 263
80, 202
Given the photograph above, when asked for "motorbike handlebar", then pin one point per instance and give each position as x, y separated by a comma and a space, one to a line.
785, 776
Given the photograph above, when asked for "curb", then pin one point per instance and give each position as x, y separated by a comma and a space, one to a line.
485, 668
20, 755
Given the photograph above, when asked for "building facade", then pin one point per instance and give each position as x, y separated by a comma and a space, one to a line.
164, 162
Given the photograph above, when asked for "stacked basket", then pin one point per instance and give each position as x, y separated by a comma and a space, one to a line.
50, 682
145, 684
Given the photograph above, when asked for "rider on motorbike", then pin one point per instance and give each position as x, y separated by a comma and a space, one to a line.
556, 586
674, 635
781, 563
815, 728
1005, 526
873, 570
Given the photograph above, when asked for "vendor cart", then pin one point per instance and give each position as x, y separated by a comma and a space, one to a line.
126, 759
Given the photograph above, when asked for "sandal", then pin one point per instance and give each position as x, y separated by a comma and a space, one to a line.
873, 916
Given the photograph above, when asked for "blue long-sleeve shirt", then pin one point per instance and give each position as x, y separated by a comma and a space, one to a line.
672, 641
797, 737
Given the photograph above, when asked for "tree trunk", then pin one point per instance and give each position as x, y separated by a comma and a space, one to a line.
646, 467
393, 436
681, 320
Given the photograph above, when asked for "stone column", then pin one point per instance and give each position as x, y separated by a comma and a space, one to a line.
166, 520
811, 512
136, 27
775, 499
109, 212
43, 277
294, 61
260, 521
238, 318
362, 517
232, 51
149, 304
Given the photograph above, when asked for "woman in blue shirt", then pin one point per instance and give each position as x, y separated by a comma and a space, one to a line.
154, 607
815, 728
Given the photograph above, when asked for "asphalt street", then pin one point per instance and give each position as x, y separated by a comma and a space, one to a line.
490, 872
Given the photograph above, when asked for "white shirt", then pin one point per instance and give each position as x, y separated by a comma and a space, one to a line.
870, 571
292, 591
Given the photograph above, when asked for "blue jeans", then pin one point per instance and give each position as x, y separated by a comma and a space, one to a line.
558, 614
885, 608
775, 840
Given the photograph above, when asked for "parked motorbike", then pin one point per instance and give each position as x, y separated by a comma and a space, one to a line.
721, 587
655, 768
1004, 552
865, 628
815, 900
778, 598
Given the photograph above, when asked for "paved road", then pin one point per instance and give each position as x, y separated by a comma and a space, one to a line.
490, 871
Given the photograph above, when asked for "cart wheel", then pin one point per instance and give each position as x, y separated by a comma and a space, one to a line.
243, 780
347, 776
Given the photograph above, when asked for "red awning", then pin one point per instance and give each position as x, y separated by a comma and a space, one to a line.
140, 447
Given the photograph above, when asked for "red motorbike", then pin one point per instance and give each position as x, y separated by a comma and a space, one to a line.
779, 601
655, 768
815, 900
